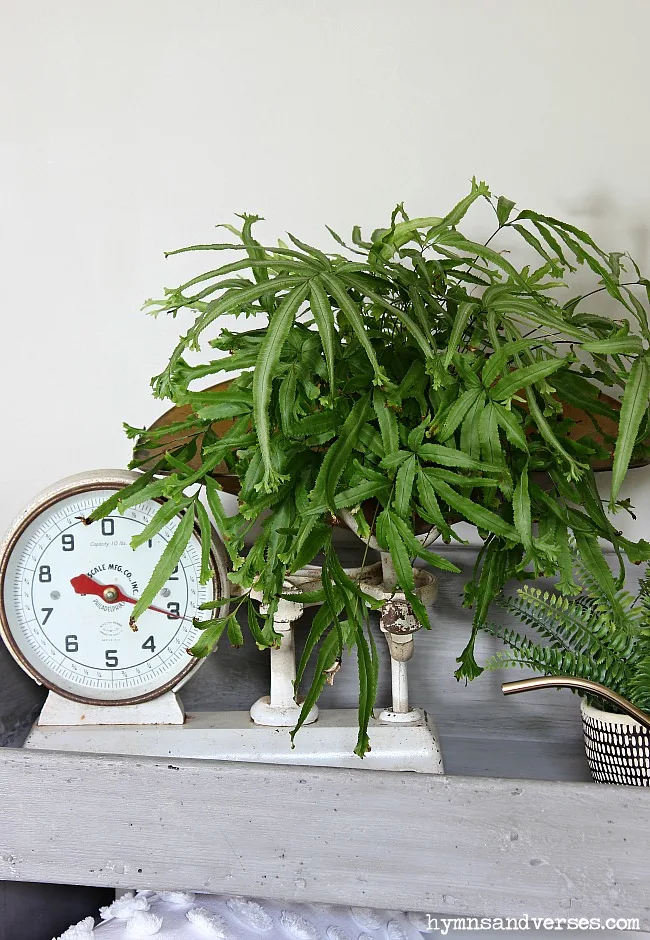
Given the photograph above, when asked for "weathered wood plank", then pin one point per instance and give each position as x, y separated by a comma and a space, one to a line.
433, 843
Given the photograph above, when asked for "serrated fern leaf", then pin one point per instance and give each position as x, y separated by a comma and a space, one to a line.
638, 688
570, 622
555, 662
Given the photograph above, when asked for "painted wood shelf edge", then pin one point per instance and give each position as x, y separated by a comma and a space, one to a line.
463, 845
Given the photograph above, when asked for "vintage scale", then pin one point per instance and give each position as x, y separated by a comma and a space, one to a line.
66, 592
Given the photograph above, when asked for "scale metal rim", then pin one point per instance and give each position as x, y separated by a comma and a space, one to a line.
73, 485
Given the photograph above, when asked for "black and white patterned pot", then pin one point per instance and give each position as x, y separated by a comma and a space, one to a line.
618, 749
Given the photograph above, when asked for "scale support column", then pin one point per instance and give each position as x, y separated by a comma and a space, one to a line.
280, 708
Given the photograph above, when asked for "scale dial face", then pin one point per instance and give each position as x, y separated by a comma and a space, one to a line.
68, 590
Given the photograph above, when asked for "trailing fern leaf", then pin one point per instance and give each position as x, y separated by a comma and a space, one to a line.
426, 373
584, 636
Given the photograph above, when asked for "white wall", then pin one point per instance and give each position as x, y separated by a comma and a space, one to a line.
133, 126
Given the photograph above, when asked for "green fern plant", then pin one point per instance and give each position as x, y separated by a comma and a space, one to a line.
599, 635
414, 370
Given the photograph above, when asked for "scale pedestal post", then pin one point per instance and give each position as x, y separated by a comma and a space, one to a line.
280, 708
399, 625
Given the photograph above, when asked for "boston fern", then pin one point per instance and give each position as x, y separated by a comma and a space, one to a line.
601, 635
413, 379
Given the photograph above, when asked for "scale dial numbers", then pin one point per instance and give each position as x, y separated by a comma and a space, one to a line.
68, 591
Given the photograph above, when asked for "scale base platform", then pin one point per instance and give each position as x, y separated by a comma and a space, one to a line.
233, 736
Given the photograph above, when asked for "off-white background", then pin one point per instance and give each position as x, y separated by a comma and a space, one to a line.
131, 127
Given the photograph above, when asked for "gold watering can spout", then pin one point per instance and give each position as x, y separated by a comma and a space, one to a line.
586, 685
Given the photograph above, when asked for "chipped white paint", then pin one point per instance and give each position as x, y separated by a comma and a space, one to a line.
405, 740
232, 736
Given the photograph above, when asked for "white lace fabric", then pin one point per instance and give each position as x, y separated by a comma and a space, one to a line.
178, 915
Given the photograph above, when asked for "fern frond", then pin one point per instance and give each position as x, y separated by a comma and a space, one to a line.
643, 598
597, 601
523, 605
572, 623
557, 662
638, 689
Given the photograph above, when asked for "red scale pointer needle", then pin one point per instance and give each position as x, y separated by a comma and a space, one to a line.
111, 594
